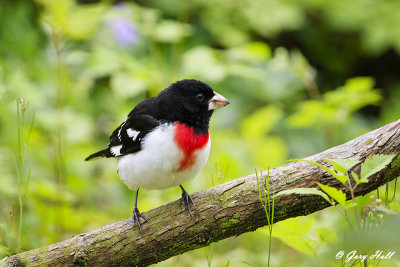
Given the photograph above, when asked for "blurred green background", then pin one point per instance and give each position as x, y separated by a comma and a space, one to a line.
301, 75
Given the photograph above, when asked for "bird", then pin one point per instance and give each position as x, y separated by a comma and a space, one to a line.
165, 140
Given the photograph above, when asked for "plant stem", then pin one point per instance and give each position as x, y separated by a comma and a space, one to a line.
387, 196
394, 190
345, 216
351, 189
19, 164
269, 211
355, 209
59, 143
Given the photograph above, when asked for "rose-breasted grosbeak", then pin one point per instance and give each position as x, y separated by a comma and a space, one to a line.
165, 141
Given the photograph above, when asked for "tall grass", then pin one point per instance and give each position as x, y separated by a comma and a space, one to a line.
265, 199
61, 86
23, 174
208, 251
221, 174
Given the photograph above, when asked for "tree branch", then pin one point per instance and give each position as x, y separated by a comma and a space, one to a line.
229, 209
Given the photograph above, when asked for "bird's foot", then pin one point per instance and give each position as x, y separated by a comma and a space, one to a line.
136, 218
187, 200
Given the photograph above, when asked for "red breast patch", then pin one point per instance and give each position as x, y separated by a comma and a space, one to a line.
188, 142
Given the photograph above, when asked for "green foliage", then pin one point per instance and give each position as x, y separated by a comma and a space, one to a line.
293, 232
301, 234
370, 166
374, 164
75, 21
342, 177
254, 131
342, 165
336, 107
357, 179
304, 191
338, 195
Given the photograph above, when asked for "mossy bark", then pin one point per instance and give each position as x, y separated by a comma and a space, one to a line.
226, 210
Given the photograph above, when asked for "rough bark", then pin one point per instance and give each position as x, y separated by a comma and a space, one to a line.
226, 210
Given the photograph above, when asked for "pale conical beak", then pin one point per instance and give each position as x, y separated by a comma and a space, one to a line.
217, 101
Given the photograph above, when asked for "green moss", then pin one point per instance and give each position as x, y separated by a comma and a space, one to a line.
177, 248
282, 211
80, 261
81, 258
223, 201
292, 181
289, 171
219, 215
368, 142
154, 236
230, 223
395, 163
15, 261
196, 228
234, 190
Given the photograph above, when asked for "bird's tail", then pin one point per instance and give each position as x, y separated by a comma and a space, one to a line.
99, 154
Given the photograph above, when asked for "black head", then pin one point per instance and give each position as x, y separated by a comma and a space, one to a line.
191, 102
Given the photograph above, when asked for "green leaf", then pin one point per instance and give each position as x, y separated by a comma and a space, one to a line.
327, 236
208, 67
126, 85
333, 173
255, 124
305, 226
342, 165
304, 191
357, 179
395, 206
293, 232
351, 205
334, 193
336, 106
374, 164
341, 178
170, 31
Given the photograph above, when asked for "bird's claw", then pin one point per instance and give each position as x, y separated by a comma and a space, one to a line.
187, 200
136, 218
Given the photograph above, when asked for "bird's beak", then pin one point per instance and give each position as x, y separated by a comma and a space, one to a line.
217, 101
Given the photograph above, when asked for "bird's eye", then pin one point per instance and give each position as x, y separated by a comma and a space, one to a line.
199, 97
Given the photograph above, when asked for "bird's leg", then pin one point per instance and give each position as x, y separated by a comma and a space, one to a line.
136, 214
186, 200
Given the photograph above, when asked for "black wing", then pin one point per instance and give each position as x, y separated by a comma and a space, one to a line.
127, 138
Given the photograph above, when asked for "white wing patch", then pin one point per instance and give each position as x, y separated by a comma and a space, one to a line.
116, 150
119, 132
132, 133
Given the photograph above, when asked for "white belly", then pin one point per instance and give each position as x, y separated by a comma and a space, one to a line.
156, 165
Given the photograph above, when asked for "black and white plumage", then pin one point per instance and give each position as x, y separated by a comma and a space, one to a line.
165, 140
